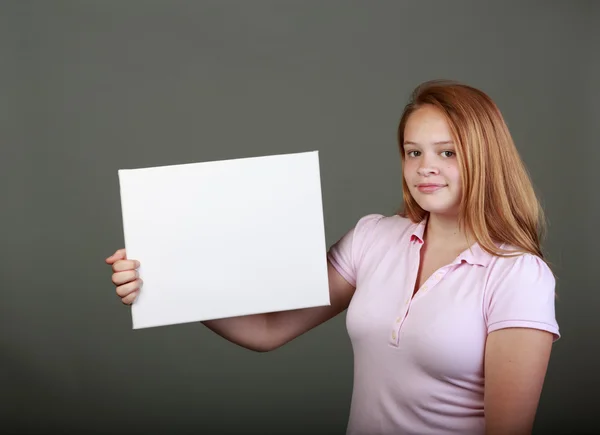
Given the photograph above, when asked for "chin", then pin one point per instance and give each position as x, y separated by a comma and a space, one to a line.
435, 207
439, 211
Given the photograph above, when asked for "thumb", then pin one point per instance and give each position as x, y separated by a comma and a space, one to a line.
118, 255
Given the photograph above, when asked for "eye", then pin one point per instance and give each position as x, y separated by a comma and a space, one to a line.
412, 153
448, 153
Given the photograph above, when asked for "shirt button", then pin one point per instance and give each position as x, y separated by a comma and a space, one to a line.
399, 319
424, 287
394, 335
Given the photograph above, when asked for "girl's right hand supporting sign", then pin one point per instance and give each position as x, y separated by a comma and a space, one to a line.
125, 276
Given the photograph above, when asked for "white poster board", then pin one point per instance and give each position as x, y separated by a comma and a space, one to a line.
225, 238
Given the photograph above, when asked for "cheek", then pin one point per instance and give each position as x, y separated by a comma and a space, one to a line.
453, 172
408, 168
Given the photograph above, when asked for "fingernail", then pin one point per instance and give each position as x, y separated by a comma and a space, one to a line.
137, 263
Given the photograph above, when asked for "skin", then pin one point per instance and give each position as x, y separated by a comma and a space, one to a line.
516, 359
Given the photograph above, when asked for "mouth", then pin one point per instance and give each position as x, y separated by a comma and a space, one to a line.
430, 187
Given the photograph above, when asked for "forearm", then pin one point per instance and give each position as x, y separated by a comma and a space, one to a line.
265, 332
250, 332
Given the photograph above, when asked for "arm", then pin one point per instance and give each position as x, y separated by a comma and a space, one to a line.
260, 332
516, 360
265, 332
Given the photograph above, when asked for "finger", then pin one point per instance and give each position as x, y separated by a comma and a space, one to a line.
130, 298
123, 265
121, 278
126, 289
118, 255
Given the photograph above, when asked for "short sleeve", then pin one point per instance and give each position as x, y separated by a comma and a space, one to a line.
522, 295
346, 254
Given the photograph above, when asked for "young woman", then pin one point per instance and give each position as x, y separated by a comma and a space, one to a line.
450, 302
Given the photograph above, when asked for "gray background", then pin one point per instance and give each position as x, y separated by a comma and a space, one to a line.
88, 87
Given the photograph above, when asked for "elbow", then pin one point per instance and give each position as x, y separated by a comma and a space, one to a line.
266, 346
262, 349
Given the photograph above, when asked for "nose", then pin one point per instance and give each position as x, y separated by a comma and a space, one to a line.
427, 167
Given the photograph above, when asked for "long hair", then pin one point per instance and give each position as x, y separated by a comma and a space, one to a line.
498, 203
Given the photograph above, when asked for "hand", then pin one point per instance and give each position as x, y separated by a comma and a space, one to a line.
125, 276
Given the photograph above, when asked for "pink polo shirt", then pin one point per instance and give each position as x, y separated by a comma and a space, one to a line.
418, 362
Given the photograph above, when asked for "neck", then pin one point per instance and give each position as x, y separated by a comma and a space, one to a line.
445, 229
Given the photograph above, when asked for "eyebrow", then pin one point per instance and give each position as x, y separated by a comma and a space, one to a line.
443, 142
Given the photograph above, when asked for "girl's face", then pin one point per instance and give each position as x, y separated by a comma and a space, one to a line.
430, 164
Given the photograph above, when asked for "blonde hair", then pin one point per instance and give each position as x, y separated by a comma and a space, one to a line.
498, 204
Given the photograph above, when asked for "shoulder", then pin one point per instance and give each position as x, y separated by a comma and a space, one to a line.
378, 227
520, 266
523, 273
520, 292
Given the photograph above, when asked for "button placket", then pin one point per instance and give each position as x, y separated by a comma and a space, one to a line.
396, 329
428, 285
433, 280
398, 321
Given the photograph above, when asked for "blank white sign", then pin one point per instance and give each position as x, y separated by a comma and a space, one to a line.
225, 238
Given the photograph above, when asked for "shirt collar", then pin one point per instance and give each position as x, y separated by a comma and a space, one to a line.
418, 231
475, 255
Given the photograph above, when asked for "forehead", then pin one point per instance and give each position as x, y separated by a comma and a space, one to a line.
425, 125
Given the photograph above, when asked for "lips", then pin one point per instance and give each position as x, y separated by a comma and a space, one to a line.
429, 187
